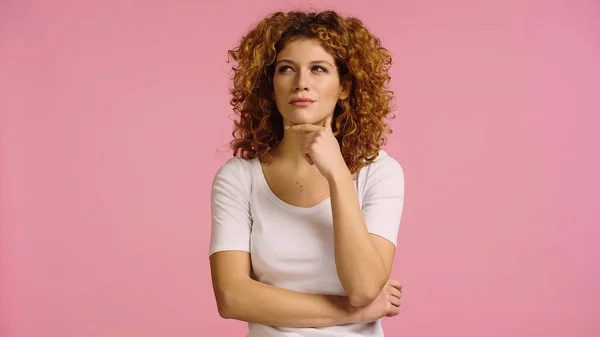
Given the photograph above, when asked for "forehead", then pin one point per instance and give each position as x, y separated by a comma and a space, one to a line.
304, 50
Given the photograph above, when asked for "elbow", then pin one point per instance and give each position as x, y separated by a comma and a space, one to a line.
224, 305
230, 298
362, 297
224, 311
365, 293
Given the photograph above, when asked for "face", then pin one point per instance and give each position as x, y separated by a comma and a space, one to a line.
305, 70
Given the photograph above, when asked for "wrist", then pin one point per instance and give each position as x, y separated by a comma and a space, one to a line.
339, 176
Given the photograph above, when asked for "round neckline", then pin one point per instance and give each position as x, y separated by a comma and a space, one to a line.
273, 197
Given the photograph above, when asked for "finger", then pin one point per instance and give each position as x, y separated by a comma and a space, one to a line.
393, 312
395, 292
307, 144
303, 128
306, 148
396, 284
395, 301
308, 159
308, 138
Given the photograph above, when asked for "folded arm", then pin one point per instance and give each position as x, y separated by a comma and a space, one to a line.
242, 298
363, 251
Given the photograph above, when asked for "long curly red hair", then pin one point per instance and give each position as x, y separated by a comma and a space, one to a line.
358, 122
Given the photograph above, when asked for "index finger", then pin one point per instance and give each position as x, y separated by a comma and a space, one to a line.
303, 127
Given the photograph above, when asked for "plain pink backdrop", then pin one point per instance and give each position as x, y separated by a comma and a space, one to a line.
115, 117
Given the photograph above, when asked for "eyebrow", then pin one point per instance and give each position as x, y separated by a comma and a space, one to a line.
313, 62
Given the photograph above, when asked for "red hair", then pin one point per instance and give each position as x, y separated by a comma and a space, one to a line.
358, 121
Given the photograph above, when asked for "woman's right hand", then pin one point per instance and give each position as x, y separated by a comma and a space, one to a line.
387, 303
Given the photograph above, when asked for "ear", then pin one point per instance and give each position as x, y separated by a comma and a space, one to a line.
345, 86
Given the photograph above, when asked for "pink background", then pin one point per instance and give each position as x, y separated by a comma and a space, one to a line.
115, 116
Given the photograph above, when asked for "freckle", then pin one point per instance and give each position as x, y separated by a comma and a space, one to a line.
300, 186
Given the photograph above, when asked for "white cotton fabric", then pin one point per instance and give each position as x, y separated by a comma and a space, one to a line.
292, 247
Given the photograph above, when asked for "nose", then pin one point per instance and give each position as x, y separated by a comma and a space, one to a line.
301, 82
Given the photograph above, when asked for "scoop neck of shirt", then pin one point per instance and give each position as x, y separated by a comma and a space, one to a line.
262, 181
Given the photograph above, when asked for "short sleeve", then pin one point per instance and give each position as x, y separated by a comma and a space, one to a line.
231, 221
383, 198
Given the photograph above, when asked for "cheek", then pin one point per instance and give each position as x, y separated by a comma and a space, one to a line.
328, 99
277, 90
330, 91
280, 87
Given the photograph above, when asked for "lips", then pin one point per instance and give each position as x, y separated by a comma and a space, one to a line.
301, 100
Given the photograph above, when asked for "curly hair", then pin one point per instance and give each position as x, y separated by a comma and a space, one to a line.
358, 122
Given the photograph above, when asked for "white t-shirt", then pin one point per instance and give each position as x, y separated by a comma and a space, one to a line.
292, 247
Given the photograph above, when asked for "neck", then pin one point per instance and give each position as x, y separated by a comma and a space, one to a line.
288, 150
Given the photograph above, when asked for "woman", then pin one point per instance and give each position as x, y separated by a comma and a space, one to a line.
306, 214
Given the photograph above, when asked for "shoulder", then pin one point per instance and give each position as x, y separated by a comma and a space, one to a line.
384, 167
236, 171
236, 165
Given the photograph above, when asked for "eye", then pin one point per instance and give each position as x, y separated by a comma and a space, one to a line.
284, 68
320, 69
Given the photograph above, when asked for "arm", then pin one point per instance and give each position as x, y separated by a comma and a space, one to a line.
242, 298
364, 240
363, 260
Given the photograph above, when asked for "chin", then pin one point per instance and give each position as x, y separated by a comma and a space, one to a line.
301, 118
302, 121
